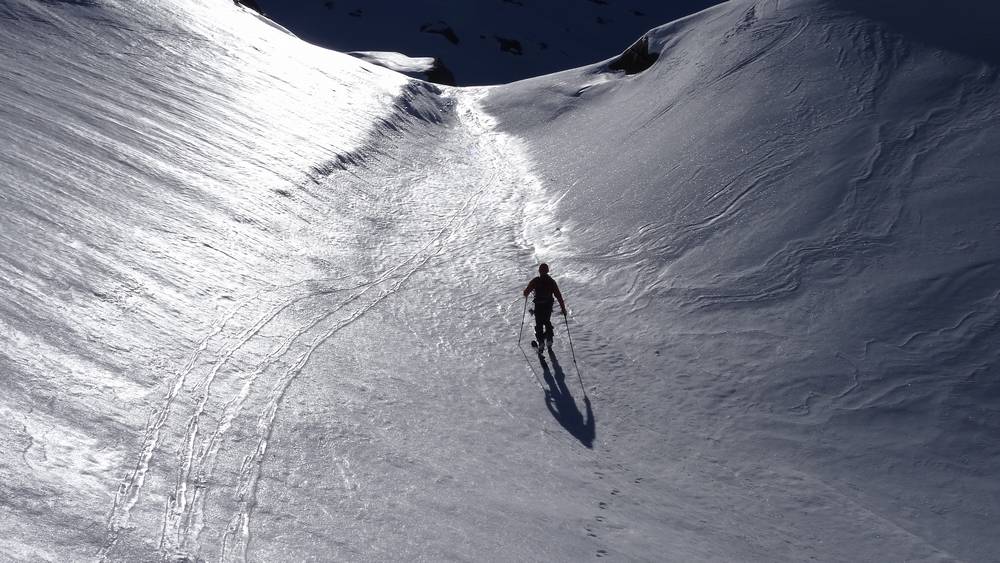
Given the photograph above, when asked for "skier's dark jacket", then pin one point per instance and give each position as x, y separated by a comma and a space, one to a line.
545, 288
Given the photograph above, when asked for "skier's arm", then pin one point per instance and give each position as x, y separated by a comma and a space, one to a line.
555, 291
531, 286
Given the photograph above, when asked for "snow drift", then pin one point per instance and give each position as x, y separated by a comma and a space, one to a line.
260, 300
424, 68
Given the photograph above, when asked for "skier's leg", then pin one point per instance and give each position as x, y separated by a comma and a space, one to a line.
540, 318
544, 312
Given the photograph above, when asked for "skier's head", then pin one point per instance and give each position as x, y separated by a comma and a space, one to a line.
543, 268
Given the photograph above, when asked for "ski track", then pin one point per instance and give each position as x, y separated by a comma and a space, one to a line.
194, 454
191, 486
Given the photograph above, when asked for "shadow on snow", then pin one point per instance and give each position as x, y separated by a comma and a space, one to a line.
562, 405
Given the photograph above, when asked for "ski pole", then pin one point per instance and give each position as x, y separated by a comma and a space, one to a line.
523, 311
573, 352
538, 380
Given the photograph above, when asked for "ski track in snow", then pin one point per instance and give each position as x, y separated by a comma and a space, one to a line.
206, 444
257, 253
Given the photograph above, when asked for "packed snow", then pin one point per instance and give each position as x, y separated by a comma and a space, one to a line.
262, 301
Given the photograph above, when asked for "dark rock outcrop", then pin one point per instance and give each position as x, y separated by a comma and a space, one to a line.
635, 59
442, 29
512, 46
440, 74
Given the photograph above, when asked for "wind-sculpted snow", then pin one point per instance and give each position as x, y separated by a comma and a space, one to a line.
261, 301
211, 232
790, 220
157, 205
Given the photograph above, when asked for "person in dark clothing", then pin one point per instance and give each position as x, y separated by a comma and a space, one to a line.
546, 292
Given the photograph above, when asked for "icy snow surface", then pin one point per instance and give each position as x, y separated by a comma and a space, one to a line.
261, 300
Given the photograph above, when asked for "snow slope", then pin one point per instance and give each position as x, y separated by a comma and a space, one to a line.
158, 169
261, 300
790, 224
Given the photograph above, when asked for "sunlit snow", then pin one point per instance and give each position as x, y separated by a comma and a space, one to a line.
261, 301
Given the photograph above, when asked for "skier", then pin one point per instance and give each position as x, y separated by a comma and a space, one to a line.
545, 289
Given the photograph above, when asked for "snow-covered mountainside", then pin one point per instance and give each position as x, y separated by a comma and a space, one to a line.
261, 301
484, 41
790, 226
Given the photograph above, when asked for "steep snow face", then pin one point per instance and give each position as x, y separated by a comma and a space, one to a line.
260, 303
790, 227
486, 41
163, 161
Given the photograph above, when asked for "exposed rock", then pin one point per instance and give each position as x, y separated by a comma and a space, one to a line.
512, 46
636, 58
440, 74
443, 29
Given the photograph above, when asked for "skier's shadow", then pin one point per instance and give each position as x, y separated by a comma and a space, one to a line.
563, 407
